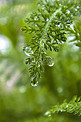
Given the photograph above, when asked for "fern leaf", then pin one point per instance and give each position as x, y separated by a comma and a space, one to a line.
49, 28
74, 106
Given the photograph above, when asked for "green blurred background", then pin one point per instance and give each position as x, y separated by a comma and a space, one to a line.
19, 101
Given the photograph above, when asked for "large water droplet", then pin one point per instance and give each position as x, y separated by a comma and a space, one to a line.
34, 83
28, 51
50, 64
49, 61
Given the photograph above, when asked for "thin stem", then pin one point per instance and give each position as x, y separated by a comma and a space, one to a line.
47, 26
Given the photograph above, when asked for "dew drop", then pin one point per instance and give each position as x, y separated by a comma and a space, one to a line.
49, 61
47, 19
34, 83
68, 11
35, 18
27, 54
28, 51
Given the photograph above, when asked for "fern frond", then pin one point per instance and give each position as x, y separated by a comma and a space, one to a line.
49, 27
74, 106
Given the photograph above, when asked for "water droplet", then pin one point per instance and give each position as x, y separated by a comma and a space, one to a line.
28, 51
47, 19
49, 61
68, 11
59, 25
34, 82
35, 18
27, 54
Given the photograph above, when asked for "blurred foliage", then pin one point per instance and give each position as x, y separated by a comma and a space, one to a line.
20, 102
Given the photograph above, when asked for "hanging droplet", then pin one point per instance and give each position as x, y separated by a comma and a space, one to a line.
49, 61
28, 51
34, 82
50, 64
